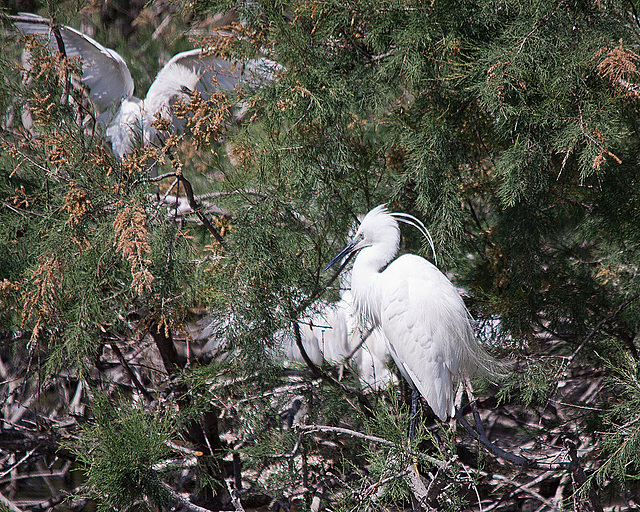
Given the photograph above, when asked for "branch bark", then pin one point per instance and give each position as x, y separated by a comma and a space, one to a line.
181, 499
194, 206
580, 476
306, 429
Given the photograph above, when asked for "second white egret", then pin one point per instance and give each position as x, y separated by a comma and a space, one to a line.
111, 86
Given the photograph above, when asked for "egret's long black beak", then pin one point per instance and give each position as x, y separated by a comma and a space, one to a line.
351, 246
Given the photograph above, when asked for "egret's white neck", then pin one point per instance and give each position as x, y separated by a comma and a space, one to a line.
365, 278
375, 257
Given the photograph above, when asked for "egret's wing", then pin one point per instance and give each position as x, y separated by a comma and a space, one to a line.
103, 69
196, 69
186, 71
427, 328
226, 73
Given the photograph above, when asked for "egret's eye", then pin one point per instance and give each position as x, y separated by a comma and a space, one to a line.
360, 236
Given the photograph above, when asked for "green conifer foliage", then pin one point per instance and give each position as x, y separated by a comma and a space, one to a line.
510, 128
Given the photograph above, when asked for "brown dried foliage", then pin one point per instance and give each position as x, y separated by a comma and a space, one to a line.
50, 64
76, 204
495, 77
7, 288
240, 154
161, 123
619, 66
600, 157
222, 42
52, 67
40, 294
206, 119
101, 159
132, 239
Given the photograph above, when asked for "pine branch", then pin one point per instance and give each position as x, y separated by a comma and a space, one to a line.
181, 499
307, 429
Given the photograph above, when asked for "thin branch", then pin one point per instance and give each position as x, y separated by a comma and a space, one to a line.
181, 499
9, 504
64, 98
248, 191
30, 160
175, 463
130, 372
307, 429
363, 337
358, 393
24, 19
235, 501
367, 492
580, 476
375, 58
418, 489
153, 179
525, 488
28, 212
593, 332
194, 206
23, 459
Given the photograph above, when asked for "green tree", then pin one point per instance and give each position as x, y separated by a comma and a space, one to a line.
509, 127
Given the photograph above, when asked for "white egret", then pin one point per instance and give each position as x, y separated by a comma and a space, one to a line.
111, 86
415, 308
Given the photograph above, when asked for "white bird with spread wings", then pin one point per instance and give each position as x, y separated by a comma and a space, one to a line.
111, 86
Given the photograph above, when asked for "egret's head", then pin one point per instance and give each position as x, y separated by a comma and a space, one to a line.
378, 228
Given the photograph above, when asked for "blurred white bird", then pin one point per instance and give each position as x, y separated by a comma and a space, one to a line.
333, 335
417, 310
111, 86
372, 357
323, 335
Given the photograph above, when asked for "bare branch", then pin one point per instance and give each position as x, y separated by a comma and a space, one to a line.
130, 372
593, 332
581, 478
181, 499
479, 435
375, 439
9, 504
235, 501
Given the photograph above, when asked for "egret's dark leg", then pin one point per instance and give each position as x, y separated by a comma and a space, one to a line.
413, 415
413, 422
